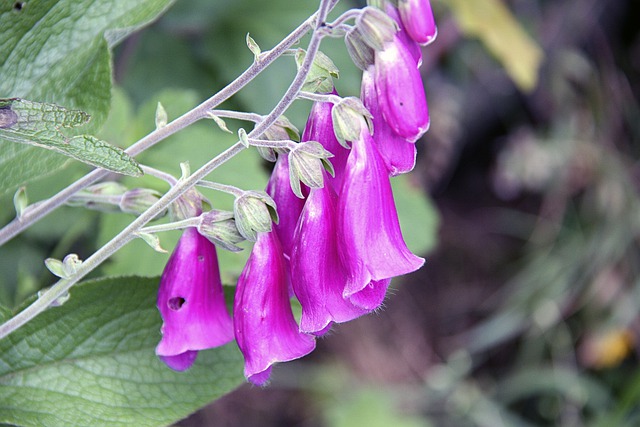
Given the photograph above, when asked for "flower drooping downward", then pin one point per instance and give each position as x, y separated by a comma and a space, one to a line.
191, 302
372, 247
265, 329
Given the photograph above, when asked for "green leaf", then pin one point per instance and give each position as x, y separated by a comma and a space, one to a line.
492, 22
42, 125
419, 219
91, 362
58, 51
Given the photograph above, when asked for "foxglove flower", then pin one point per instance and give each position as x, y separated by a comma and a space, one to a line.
372, 247
265, 329
191, 302
289, 205
412, 46
418, 21
400, 91
320, 128
318, 275
399, 155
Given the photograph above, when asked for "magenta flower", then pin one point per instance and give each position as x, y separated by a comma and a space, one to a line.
265, 329
418, 21
399, 154
320, 128
318, 277
372, 247
412, 46
191, 302
400, 91
289, 205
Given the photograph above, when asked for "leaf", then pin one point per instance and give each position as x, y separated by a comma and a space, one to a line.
91, 362
41, 125
58, 51
492, 22
419, 219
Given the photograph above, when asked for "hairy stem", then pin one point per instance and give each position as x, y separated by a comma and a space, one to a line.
125, 236
37, 211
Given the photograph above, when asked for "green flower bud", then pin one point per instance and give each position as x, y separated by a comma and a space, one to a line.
104, 196
306, 164
138, 200
347, 118
281, 130
322, 73
362, 55
376, 27
220, 228
254, 211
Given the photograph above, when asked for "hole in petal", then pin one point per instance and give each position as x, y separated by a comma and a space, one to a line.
175, 303
201, 258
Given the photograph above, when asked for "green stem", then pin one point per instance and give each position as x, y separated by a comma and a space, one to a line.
125, 236
170, 226
37, 211
229, 189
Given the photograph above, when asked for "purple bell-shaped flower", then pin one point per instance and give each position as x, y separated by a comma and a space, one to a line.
400, 91
265, 328
418, 21
412, 46
318, 277
191, 302
289, 205
372, 248
398, 153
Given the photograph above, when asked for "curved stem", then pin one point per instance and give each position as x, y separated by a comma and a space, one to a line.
37, 211
288, 144
239, 115
125, 236
170, 226
229, 189
168, 178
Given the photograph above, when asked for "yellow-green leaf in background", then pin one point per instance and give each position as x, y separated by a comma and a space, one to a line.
495, 26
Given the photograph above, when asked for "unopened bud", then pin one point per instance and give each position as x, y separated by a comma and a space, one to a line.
362, 55
138, 200
220, 228
104, 196
321, 74
306, 163
281, 130
347, 118
65, 268
254, 211
376, 27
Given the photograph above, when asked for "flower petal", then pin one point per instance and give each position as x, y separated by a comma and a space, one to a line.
265, 328
400, 91
372, 247
398, 153
191, 299
318, 277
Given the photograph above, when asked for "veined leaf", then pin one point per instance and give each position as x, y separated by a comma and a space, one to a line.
43, 125
91, 362
58, 52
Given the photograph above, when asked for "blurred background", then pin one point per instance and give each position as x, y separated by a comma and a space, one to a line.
524, 201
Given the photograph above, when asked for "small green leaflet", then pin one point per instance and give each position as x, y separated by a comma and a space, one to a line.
43, 125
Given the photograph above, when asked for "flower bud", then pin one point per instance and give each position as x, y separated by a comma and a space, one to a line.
400, 91
138, 200
281, 130
347, 123
360, 52
220, 228
254, 211
376, 27
102, 197
418, 21
321, 74
306, 164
